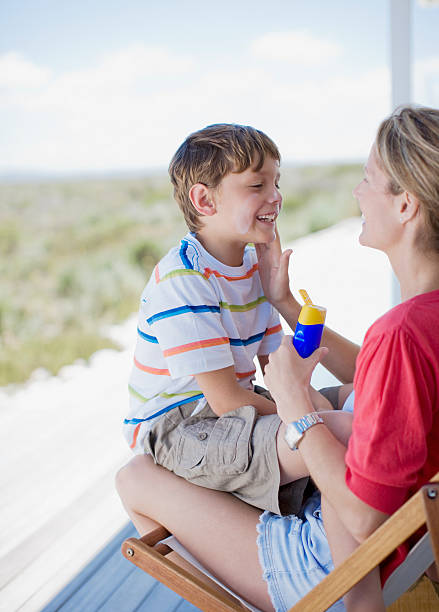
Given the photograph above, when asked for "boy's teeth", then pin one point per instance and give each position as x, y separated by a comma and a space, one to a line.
266, 217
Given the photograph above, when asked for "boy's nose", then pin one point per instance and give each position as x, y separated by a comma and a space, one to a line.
276, 196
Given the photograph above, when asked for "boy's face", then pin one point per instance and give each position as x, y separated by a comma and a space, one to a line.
248, 203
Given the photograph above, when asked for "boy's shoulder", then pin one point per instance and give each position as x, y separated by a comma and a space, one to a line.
189, 255
186, 255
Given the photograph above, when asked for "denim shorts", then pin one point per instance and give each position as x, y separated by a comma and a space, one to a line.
294, 554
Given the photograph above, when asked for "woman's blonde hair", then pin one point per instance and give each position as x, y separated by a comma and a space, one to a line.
407, 144
208, 155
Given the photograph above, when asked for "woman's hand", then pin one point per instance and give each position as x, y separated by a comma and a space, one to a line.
288, 376
273, 271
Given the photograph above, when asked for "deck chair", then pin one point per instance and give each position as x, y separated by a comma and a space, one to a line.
180, 572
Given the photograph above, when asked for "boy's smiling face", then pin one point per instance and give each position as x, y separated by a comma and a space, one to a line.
247, 205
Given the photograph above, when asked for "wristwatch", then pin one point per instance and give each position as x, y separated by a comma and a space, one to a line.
296, 430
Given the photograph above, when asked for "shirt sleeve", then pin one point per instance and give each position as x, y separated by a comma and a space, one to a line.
388, 445
273, 334
183, 314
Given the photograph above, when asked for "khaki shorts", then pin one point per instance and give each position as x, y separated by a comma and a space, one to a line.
235, 452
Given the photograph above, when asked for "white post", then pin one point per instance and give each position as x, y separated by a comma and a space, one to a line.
400, 54
400, 64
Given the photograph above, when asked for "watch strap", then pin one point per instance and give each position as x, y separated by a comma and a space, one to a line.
307, 421
296, 429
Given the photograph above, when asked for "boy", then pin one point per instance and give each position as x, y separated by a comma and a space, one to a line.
203, 319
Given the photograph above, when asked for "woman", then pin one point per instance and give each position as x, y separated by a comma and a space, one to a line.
393, 448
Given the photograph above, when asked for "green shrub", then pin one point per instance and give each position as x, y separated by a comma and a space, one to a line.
9, 237
145, 254
75, 255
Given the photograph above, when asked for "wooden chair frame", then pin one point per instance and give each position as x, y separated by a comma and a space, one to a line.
158, 560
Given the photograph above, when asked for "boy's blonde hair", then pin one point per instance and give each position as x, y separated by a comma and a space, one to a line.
208, 155
407, 144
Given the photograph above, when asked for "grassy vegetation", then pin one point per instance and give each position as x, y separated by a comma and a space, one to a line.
75, 255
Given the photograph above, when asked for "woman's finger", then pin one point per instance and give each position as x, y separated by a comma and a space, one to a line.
317, 356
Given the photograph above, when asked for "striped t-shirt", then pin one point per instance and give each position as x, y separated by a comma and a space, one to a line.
196, 315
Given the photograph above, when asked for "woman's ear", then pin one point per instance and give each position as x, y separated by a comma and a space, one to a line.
408, 207
200, 198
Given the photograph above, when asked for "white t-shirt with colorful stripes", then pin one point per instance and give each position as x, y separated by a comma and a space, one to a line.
196, 315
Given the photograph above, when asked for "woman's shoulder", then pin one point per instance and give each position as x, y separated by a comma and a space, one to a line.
417, 318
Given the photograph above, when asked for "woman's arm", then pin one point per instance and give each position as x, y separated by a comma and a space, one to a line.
287, 377
366, 596
273, 271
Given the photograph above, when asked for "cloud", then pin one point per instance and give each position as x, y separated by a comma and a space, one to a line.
113, 76
296, 47
18, 72
126, 67
132, 108
122, 127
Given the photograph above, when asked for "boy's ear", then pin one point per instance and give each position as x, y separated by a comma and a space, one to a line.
200, 198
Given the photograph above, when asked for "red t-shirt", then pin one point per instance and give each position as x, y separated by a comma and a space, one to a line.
394, 447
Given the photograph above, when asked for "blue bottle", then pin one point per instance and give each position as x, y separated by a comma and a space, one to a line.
309, 329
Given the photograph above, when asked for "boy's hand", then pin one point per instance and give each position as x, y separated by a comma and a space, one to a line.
273, 271
288, 376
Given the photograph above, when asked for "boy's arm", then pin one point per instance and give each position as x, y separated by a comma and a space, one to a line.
263, 360
223, 393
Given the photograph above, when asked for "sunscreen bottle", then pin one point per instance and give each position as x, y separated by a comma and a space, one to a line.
309, 328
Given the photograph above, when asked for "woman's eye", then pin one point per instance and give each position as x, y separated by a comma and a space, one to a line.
257, 186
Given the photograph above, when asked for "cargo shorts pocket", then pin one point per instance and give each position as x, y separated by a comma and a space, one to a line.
217, 446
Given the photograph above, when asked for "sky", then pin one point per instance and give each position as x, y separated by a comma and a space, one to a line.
112, 85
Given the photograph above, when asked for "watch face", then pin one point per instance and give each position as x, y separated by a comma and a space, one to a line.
292, 436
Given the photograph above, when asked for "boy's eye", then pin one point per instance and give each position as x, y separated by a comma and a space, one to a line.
257, 186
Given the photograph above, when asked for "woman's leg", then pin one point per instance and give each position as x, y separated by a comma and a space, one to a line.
216, 527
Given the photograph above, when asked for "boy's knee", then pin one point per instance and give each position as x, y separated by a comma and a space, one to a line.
127, 475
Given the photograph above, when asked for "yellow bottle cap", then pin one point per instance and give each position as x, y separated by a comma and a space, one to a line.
305, 296
312, 315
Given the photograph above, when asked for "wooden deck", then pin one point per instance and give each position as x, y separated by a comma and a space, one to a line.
110, 583
60, 516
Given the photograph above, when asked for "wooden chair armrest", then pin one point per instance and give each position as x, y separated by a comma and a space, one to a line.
187, 581
430, 497
153, 539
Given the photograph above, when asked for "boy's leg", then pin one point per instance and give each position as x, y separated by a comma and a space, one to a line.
336, 397
218, 529
235, 453
343, 393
